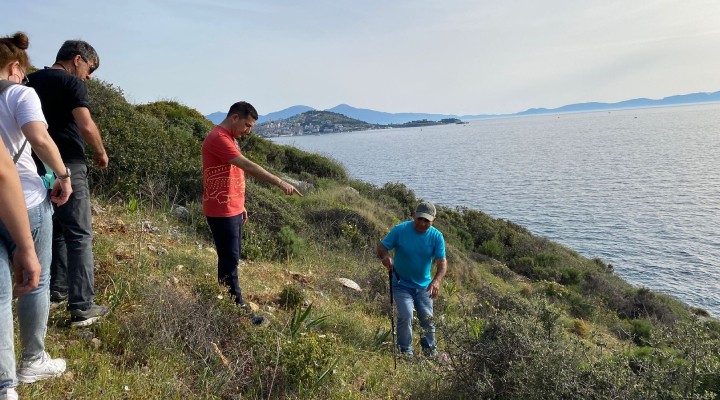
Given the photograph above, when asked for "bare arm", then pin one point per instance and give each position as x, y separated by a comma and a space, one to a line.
47, 151
13, 215
384, 256
441, 269
91, 135
260, 173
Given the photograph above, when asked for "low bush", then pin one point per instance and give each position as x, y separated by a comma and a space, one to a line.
352, 228
493, 248
141, 148
520, 353
307, 361
643, 303
291, 296
403, 196
290, 243
175, 320
580, 328
290, 160
641, 331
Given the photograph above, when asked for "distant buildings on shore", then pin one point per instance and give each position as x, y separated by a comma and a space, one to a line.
292, 127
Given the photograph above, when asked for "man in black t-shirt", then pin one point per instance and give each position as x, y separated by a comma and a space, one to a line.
65, 103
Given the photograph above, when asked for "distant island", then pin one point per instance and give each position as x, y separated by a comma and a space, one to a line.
373, 117
323, 122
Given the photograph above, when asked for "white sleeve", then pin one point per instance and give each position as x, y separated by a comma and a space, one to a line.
28, 105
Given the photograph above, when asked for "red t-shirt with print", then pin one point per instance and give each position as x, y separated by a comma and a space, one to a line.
223, 183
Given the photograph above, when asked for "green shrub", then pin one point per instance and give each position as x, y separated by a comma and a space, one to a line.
570, 276
291, 296
175, 322
142, 149
404, 197
520, 354
306, 360
580, 306
553, 289
641, 331
337, 221
258, 244
493, 248
643, 303
175, 115
523, 266
292, 245
290, 160
580, 328
322, 167
268, 212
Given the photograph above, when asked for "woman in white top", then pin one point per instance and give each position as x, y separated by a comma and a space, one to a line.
23, 128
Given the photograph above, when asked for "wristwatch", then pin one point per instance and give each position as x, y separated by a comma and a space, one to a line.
67, 174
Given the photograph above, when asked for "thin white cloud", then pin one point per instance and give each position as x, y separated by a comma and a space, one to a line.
455, 56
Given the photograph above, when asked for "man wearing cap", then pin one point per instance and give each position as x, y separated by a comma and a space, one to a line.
416, 244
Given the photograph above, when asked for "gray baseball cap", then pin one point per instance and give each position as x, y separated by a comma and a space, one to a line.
425, 210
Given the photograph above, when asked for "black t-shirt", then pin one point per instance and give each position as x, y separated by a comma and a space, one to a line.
60, 93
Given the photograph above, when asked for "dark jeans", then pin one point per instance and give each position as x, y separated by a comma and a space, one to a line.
227, 234
72, 265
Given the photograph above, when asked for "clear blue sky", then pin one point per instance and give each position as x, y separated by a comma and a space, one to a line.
450, 56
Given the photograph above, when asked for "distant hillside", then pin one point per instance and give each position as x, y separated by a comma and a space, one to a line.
634, 103
324, 117
311, 122
217, 117
384, 118
378, 117
284, 114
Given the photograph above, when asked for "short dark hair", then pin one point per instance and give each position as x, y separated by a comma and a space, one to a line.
72, 48
243, 109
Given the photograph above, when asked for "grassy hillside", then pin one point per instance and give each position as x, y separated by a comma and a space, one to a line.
519, 317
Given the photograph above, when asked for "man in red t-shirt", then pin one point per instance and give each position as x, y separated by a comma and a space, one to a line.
224, 169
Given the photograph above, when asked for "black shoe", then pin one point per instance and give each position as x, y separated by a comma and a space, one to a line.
57, 296
89, 316
256, 319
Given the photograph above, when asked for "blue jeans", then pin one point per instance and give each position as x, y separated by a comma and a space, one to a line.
72, 270
227, 234
406, 299
32, 307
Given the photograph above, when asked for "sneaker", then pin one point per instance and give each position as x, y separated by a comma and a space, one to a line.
8, 394
42, 368
405, 356
57, 296
430, 352
89, 316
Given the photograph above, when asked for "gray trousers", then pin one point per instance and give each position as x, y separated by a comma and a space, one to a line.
72, 268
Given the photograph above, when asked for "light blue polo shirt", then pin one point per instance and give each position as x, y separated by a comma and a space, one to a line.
414, 253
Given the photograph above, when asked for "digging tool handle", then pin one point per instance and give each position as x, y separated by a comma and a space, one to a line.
392, 319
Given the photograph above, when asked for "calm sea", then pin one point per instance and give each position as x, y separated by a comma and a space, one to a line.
638, 188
